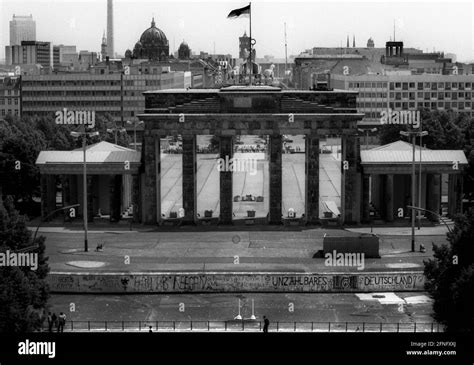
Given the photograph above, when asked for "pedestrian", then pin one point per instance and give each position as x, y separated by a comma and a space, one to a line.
50, 322
61, 322
54, 321
266, 323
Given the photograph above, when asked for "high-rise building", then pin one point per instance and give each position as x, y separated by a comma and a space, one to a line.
29, 52
22, 28
110, 29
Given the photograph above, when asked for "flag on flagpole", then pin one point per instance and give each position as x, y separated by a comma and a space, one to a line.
240, 13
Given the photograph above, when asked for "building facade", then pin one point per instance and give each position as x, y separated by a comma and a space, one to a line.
116, 94
408, 92
10, 96
22, 28
29, 52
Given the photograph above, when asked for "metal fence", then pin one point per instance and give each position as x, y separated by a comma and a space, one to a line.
245, 326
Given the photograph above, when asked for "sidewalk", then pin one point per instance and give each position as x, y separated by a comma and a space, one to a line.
226, 251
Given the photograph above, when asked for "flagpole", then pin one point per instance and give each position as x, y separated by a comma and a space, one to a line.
251, 65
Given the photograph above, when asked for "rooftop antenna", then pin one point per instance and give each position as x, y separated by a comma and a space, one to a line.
394, 30
286, 52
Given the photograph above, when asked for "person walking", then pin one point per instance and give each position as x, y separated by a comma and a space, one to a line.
50, 322
61, 322
266, 323
54, 321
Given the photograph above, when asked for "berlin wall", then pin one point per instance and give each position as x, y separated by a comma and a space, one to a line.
234, 282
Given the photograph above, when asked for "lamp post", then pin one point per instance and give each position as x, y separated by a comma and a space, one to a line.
135, 123
84, 134
413, 134
367, 131
114, 131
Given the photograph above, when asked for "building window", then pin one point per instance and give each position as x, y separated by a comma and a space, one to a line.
427, 96
468, 95
434, 95
398, 85
441, 96
398, 96
16, 101
9, 101
405, 95
398, 105
420, 86
461, 86
468, 105
351, 85
448, 86
411, 85
411, 95
405, 86
461, 95
447, 95
440, 104
411, 104
404, 105
434, 86
455, 96
455, 85
468, 85
391, 86
427, 85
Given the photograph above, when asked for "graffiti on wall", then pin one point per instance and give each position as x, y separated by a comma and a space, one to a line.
235, 282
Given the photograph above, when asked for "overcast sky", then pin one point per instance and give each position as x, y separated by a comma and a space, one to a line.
444, 26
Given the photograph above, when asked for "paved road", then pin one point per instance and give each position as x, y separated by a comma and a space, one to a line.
388, 308
291, 251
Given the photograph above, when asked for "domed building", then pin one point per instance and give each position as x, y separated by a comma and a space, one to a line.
153, 44
184, 52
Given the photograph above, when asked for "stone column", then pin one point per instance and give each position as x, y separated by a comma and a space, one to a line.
189, 179
45, 197
90, 198
312, 178
275, 148
388, 197
136, 198
366, 197
433, 202
66, 192
225, 195
351, 184
455, 192
73, 189
152, 199
115, 191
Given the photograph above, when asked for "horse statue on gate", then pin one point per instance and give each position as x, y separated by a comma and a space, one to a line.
268, 74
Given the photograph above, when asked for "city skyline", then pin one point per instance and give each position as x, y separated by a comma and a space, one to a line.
309, 24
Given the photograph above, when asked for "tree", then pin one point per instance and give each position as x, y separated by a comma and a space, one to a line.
450, 277
23, 291
20, 144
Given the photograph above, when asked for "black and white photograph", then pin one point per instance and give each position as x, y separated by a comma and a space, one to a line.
225, 176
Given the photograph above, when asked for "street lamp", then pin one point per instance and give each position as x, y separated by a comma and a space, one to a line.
367, 131
114, 131
84, 134
413, 134
135, 123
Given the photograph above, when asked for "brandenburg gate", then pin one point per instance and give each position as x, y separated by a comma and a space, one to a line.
251, 110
